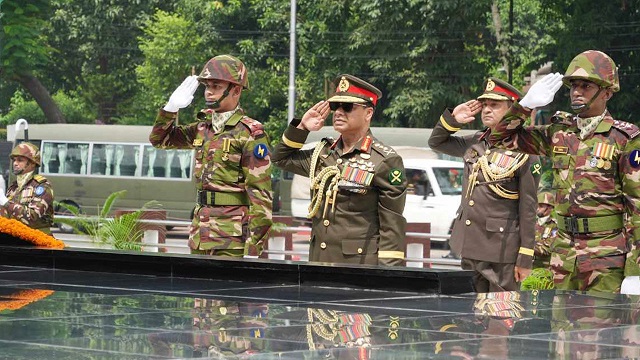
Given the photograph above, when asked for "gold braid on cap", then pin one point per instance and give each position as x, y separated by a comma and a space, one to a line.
318, 183
495, 173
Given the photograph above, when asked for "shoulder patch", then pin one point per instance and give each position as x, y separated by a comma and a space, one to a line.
39, 178
261, 151
383, 149
39, 190
630, 129
634, 158
396, 176
255, 127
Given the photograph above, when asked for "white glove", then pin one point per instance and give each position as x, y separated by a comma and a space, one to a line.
250, 256
3, 199
542, 92
630, 285
183, 95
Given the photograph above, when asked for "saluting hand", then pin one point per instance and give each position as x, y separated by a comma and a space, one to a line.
313, 119
183, 95
466, 112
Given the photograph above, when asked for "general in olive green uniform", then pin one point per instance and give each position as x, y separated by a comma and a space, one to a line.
596, 163
494, 228
358, 183
29, 199
233, 167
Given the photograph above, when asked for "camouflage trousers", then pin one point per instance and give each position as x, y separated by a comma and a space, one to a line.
603, 280
219, 252
541, 261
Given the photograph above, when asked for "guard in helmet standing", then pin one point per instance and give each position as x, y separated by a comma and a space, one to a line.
29, 199
232, 170
596, 165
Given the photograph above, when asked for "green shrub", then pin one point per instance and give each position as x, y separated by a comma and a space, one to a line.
73, 108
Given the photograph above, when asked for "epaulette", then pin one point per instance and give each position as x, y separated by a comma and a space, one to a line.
630, 129
562, 117
255, 127
382, 149
39, 178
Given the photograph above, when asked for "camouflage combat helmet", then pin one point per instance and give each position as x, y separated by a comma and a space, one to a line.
594, 66
545, 197
227, 68
27, 150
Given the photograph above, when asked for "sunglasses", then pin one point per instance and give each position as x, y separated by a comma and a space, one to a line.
347, 107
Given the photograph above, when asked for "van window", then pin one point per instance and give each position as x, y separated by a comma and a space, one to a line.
449, 179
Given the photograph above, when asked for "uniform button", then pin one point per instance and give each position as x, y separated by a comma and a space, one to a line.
323, 245
487, 152
501, 229
468, 222
359, 250
339, 161
326, 223
471, 203
223, 310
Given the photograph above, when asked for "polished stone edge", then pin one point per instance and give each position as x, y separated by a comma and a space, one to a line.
438, 281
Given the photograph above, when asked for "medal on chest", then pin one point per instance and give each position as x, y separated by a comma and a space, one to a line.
357, 174
602, 155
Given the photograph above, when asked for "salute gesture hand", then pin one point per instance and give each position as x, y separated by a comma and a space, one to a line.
466, 112
313, 119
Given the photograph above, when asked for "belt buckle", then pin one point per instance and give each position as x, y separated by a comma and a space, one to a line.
571, 224
203, 197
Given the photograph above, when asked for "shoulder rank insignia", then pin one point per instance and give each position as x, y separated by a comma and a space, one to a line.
197, 142
261, 151
396, 176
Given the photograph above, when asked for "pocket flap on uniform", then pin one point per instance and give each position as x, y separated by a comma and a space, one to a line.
358, 247
502, 225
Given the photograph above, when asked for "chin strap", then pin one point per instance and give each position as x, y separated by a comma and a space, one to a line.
584, 107
216, 103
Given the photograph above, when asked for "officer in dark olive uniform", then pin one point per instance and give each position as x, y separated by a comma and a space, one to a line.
358, 184
494, 228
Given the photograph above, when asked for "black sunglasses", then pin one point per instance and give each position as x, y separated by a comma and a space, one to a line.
347, 107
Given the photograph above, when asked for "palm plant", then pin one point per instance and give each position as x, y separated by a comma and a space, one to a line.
122, 232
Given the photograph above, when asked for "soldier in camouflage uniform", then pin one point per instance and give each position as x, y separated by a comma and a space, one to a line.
232, 216
358, 183
546, 230
596, 163
494, 228
29, 199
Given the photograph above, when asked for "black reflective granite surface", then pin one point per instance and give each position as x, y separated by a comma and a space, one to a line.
52, 313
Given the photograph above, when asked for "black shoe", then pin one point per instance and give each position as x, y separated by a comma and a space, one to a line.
451, 255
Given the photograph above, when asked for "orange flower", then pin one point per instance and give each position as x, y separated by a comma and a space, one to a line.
19, 230
23, 297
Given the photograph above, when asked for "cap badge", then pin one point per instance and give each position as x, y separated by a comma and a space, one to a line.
343, 86
490, 85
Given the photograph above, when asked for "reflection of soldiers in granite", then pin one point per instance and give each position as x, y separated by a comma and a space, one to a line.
221, 330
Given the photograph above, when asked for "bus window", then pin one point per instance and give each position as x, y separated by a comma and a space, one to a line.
65, 158
115, 159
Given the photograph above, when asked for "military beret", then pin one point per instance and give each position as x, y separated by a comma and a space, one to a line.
497, 89
351, 89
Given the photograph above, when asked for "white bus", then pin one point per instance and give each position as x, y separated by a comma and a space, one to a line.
87, 163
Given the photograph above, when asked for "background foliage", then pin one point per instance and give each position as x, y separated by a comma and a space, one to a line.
117, 61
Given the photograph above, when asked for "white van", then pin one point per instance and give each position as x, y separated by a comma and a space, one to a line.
433, 198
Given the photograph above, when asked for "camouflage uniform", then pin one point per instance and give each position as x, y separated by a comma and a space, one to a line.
546, 233
32, 204
232, 174
597, 186
359, 221
494, 227
224, 329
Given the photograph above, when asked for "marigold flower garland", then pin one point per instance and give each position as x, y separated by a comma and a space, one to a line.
19, 230
23, 298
